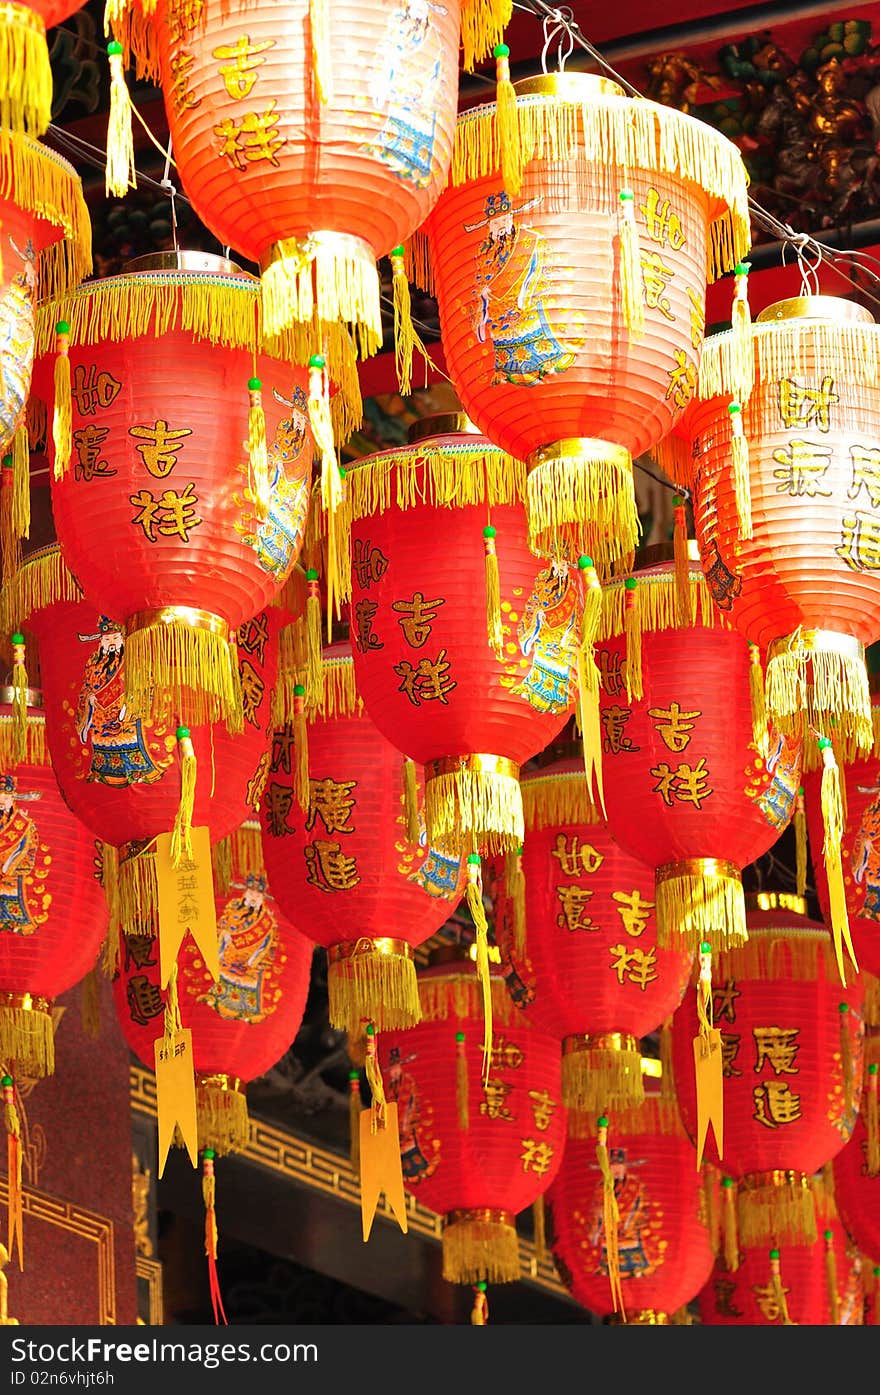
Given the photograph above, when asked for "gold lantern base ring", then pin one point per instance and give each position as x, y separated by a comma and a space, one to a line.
602, 1072
473, 802
327, 277
581, 500
642, 1317
27, 1036
374, 978
480, 1245
181, 667
817, 683
222, 1112
775, 1208
700, 900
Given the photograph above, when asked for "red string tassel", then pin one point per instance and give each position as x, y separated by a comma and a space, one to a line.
208, 1193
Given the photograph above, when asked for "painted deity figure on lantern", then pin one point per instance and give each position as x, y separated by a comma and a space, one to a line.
510, 285
410, 96
777, 799
277, 536
548, 635
247, 934
19, 851
401, 1087
119, 754
866, 855
634, 1227
16, 339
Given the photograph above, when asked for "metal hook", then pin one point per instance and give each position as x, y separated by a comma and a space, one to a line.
553, 22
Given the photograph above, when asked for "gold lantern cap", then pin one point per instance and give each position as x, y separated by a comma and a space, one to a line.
442, 424
825, 309
209, 263
569, 86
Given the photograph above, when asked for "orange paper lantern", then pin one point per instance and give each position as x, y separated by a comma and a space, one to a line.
856, 1167
572, 307
475, 1151
171, 517
678, 740
347, 870
468, 675
590, 969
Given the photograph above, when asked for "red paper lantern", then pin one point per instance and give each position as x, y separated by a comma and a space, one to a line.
802, 583
857, 1166
590, 970
52, 912
686, 789
476, 1154
242, 1024
346, 870
469, 707
172, 519
664, 1235
818, 1291
313, 137
572, 307
792, 1053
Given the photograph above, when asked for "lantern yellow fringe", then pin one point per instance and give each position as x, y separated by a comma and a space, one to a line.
34, 748
319, 280
584, 498
694, 907
774, 955
608, 137
483, 23
729, 1229
515, 887
222, 1114
41, 580
339, 694
482, 807
791, 349
373, 984
478, 1248
411, 800
657, 605
138, 893
221, 863
558, 798
26, 94
654, 1115
459, 995
811, 690
180, 672
245, 852
602, 1077
110, 882
322, 49
673, 455
10, 543
781, 1212
40, 182
27, 1038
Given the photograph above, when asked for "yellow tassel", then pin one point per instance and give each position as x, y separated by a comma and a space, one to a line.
90, 1006
314, 665
507, 123
258, 454
322, 49
872, 1121
846, 1058
301, 746
110, 883
632, 632
683, 597
62, 419
833, 824
730, 1239
493, 594
540, 1224
739, 461
831, 1278
778, 1289
120, 172
21, 474
461, 1083
10, 545
742, 347
14, 1203
799, 819
515, 886
474, 899
411, 801
588, 681
404, 335
354, 1119
667, 1073
630, 268
20, 685
759, 706
374, 1079
181, 834
480, 1309
610, 1217
321, 422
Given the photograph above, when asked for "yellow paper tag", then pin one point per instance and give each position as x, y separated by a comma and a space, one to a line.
176, 1094
381, 1169
186, 903
710, 1091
